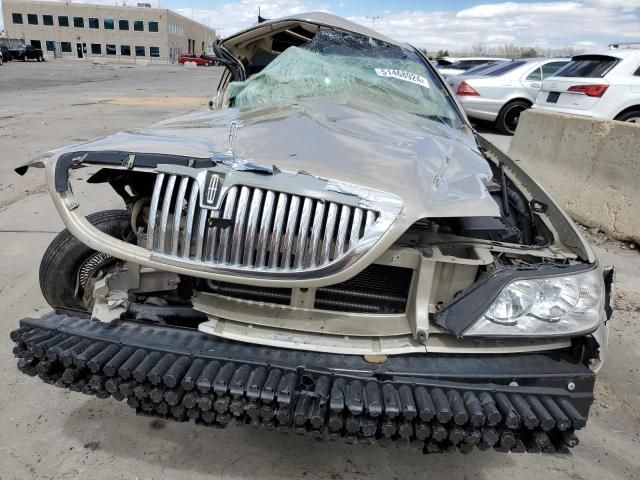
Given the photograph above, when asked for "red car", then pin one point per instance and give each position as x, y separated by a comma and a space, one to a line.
201, 60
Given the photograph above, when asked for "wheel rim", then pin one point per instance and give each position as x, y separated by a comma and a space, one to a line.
512, 117
90, 271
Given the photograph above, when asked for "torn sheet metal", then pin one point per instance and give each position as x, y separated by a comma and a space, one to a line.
436, 170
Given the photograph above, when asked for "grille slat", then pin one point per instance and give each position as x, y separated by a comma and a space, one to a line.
253, 228
239, 228
166, 207
188, 227
177, 215
290, 231
301, 241
327, 242
265, 226
356, 226
316, 235
153, 210
278, 226
341, 239
225, 238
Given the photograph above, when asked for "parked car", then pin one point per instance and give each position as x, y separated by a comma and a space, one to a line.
330, 250
501, 93
26, 52
6, 55
464, 64
201, 60
601, 84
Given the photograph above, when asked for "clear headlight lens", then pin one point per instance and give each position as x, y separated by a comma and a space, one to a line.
566, 305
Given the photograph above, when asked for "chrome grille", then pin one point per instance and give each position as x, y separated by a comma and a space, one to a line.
268, 230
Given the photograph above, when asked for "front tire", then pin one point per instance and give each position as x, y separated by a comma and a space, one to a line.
69, 269
632, 116
509, 116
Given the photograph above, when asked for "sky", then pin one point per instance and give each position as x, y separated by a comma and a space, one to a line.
441, 24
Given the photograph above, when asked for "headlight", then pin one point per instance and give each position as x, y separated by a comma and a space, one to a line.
550, 306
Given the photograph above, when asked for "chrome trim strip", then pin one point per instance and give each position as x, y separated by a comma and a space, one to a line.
290, 231
316, 234
341, 240
239, 228
278, 226
252, 227
188, 227
356, 227
303, 232
164, 219
330, 228
177, 215
202, 223
265, 225
153, 210
229, 207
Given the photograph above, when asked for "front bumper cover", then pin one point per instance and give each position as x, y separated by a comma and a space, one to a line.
516, 402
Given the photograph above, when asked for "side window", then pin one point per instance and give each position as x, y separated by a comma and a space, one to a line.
535, 75
551, 68
637, 73
36, 43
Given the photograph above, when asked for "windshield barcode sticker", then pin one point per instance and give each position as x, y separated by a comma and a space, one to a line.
403, 75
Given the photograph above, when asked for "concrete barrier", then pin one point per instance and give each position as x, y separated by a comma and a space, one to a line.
592, 167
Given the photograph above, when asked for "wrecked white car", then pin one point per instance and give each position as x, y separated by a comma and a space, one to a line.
330, 250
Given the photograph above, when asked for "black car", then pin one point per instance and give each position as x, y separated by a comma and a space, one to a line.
27, 52
5, 56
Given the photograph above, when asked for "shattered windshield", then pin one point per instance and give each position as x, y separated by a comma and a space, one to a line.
348, 68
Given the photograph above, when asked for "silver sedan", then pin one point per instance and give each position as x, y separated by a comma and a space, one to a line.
500, 93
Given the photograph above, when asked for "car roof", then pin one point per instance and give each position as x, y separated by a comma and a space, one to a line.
612, 52
317, 18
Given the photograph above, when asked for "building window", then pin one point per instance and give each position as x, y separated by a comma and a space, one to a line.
65, 47
78, 22
108, 24
63, 21
154, 51
17, 18
111, 49
36, 43
138, 26
51, 46
139, 51
153, 26
123, 24
47, 20
96, 49
32, 19
94, 23
125, 50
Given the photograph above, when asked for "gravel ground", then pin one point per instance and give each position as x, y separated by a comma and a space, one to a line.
50, 433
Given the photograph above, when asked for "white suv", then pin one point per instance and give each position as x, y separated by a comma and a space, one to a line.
604, 84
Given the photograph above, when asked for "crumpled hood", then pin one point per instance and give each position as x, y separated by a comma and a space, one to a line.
435, 169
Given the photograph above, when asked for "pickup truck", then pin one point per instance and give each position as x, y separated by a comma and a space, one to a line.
26, 52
